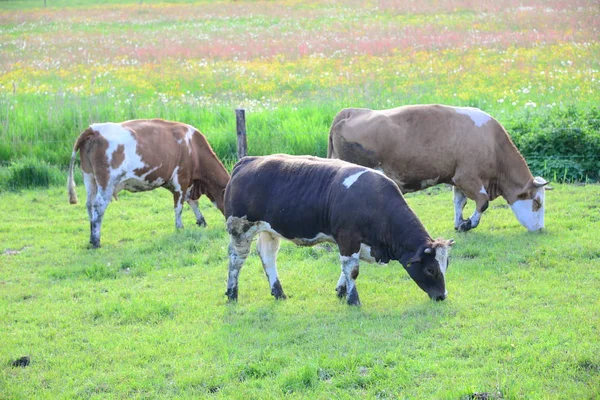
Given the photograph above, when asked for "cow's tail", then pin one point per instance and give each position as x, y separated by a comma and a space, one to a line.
71, 182
330, 145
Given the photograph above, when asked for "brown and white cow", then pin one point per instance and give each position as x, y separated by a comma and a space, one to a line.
309, 200
424, 145
141, 155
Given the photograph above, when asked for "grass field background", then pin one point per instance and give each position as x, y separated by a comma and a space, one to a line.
146, 316
293, 65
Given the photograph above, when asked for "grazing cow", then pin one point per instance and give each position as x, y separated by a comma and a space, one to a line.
424, 145
142, 155
309, 200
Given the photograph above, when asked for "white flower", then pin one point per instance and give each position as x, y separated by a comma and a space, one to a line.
530, 104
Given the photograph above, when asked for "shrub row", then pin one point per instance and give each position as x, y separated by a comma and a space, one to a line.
562, 145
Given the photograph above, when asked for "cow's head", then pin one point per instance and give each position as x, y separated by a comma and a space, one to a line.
428, 268
530, 204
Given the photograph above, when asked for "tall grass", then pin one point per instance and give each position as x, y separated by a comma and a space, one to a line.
293, 67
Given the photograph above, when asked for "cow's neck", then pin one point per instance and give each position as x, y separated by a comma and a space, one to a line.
215, 179
408, 235
512, 174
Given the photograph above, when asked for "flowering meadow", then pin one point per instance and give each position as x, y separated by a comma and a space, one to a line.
291, 64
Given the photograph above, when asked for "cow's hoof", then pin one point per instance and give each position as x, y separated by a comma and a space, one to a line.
94, 244
277, 291
201, 223
464, 226
353, 299
232, 294
340, 291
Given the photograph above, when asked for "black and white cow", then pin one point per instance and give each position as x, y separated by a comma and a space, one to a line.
309, 200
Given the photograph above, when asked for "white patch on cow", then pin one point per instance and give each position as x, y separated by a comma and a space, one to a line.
267, 247
441, 256
478, 117
124, 177
174, 181
523, 210
188, 138
483, 191
349, 181
379, 171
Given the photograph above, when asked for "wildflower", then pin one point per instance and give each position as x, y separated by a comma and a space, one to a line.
530, 104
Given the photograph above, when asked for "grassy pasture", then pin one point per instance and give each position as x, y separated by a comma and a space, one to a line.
146, 316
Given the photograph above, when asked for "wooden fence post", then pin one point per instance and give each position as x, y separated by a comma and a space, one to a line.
242, 144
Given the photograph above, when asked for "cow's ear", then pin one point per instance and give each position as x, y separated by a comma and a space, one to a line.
538, 182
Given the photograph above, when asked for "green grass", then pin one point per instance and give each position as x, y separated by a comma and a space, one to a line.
145, 315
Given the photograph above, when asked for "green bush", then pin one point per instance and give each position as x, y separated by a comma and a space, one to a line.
30, 173
563, 145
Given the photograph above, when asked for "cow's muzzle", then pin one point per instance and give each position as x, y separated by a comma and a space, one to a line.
438, 297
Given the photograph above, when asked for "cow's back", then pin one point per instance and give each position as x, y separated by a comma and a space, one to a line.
140, 154
267, 189
417, 145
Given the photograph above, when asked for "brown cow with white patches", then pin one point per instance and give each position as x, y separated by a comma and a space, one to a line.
141, 155
424, 145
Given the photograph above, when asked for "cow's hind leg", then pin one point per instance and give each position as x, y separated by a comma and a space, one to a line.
238, 252
349, 273
91, 189
98, 207
241, 234
267, 247
200, 221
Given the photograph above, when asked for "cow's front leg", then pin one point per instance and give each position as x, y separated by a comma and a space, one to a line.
267, 247
178, 199
200, 221
350, 271
239, 247
460, 200
340, 288
474, 190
